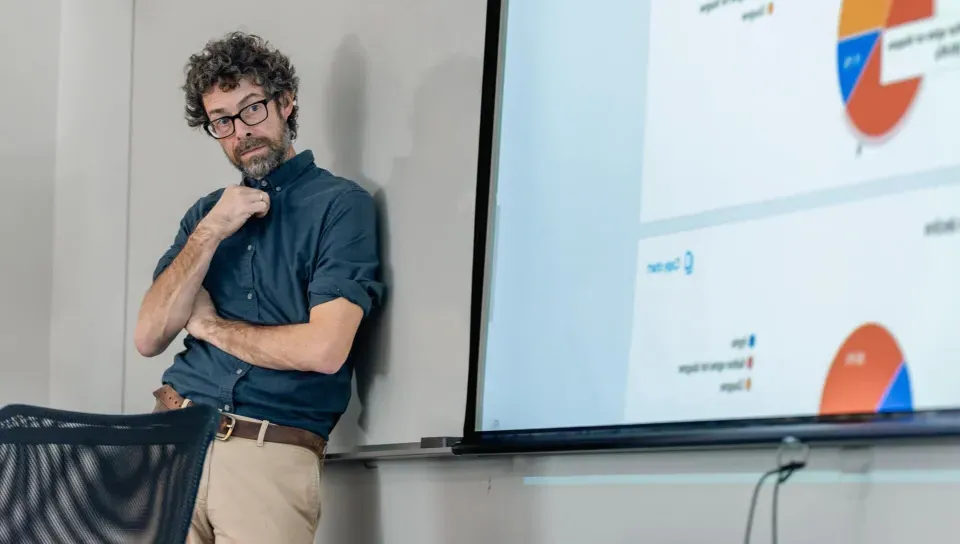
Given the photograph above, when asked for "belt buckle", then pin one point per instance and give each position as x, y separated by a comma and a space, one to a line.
233, 423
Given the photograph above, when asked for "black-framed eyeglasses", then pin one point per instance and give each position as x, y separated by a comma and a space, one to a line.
251, 114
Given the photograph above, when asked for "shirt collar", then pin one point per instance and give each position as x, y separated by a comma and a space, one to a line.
285, 174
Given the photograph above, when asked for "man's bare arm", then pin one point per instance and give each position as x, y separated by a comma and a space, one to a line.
167, 306
322, 345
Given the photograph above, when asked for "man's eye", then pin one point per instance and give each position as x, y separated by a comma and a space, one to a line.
223, 121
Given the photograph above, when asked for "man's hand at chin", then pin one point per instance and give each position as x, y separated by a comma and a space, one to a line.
204, 316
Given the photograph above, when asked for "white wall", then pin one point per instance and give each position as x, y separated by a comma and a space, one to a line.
90, 206
908, 495
29, 39
65, 148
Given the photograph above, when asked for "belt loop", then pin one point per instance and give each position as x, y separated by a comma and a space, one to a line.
263, 432
186, 402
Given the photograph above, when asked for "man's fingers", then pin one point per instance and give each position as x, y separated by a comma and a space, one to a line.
253, 195
254, 199
258, 208
244, 193
262, 207
242, 190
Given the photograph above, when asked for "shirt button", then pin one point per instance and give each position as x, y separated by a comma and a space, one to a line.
249, 296
239, 371
263, 183
250, 247
277, 189
226, 407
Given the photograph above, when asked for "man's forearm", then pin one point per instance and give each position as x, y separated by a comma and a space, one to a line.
284, 347
167, 305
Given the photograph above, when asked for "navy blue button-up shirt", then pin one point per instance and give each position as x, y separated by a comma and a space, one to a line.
317, 243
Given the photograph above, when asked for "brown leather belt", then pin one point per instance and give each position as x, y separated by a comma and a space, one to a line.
232, 427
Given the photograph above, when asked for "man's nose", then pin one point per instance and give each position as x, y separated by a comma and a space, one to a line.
241, 135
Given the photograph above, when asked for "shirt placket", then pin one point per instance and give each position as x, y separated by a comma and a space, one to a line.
252, 231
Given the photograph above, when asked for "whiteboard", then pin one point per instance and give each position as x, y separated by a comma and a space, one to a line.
388, 100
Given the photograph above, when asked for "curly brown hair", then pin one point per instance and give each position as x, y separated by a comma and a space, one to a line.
224, 62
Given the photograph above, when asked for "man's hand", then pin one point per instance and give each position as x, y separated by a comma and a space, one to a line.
203, 315
237, 204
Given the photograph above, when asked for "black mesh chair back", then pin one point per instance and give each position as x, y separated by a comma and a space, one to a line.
68, 477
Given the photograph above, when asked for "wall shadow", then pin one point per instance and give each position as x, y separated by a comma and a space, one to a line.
346, 114
354, 490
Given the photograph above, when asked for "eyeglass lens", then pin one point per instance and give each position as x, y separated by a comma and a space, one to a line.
250, 115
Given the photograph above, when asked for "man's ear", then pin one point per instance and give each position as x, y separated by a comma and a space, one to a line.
286, 104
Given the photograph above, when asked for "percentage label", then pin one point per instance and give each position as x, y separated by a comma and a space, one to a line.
851, 61
856, 358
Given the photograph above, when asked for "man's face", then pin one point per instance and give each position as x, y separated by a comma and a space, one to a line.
258, 149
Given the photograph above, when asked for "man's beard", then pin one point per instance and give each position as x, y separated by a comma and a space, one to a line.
258, 166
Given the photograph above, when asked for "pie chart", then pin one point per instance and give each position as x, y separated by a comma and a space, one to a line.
868, 375
874, 109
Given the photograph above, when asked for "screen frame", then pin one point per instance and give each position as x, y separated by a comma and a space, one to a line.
856, 428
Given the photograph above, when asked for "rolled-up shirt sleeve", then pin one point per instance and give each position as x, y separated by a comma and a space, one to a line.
183, 234
187, 225
348, 256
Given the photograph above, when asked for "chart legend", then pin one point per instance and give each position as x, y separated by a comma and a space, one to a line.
868, 375
873, 108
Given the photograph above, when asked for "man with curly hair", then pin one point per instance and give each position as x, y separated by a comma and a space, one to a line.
271, 279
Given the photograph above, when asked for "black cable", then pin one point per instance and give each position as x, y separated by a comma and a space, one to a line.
753, 503
784, 470
783, 474
774, 506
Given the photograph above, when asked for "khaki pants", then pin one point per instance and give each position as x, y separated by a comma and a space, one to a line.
257, 492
